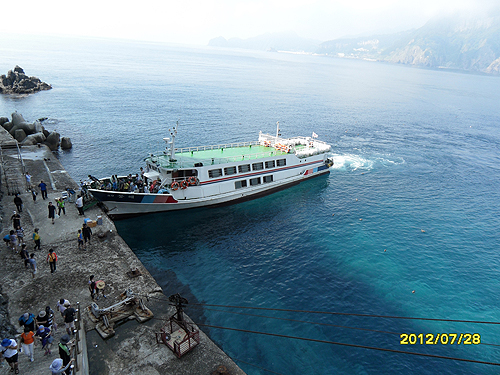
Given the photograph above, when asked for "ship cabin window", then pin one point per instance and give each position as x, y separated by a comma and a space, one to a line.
240, 184
229, 171
257, 167
214, 173
268, 178
270, 164
281, 162
244, 168
184, 173
255, 181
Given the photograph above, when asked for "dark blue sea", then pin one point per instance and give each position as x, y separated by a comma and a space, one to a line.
411, 204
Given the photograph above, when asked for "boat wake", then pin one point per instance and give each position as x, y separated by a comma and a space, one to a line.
351, 162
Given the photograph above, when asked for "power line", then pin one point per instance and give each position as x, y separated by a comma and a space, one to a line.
353, 345
332, 312
348, 314
304, 321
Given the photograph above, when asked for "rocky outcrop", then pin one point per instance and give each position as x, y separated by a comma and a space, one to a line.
52, 141
33, 133
17, 82
66, 143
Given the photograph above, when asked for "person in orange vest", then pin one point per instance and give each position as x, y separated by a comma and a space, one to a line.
52, 259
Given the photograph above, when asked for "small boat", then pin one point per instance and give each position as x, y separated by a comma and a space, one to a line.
193, 177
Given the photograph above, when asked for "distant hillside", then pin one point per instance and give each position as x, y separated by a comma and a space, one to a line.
471, 44
269, 42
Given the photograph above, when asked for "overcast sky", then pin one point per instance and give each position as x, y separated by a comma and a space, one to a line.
198, 21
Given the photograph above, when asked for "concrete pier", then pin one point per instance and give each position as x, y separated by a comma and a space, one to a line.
133, 349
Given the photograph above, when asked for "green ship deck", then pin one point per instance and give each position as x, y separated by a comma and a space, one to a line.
213, 155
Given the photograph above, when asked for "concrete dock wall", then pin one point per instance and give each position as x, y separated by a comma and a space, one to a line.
133, 349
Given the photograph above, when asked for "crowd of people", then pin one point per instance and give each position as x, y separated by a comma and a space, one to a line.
40, 329
138, 183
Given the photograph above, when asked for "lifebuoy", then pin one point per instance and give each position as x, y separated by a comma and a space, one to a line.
174, 186
184, 184
193, 180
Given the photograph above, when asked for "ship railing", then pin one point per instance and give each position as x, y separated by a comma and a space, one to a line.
293, 141
187, 162
215, 147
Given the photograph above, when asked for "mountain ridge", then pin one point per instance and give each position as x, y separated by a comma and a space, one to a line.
453, 42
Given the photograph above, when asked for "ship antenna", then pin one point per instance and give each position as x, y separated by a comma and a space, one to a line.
173, 133
277, 130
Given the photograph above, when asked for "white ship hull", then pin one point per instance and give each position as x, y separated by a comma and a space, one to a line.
245, 172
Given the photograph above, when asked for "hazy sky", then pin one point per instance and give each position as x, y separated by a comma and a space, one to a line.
198, 21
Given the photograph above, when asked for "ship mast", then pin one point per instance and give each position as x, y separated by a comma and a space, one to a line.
170, 143
277, 130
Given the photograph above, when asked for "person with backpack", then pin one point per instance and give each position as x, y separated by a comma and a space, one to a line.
27, 320
69, 319
51, 260
36, 239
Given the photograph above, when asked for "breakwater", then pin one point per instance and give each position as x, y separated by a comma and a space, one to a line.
133, 349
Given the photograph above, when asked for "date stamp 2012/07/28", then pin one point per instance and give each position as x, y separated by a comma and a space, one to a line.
440, 338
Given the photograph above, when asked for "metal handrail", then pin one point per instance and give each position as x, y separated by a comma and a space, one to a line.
212, 147
181, 163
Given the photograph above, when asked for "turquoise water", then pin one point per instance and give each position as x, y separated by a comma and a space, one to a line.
416, 158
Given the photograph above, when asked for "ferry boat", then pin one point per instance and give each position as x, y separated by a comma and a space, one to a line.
192, 177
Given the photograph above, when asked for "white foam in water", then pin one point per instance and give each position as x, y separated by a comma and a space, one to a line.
354, 162
351, 162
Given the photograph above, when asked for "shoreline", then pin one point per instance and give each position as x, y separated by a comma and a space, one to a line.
133, 349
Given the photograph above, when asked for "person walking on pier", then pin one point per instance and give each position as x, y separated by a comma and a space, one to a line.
16, 220
87, 232
33, 195
69, 319
92, 287
80, 239
52, 259
62, 305
32, 264
52, 212
28, 341
13, 240
45, 335
64, 351
9, 351
18, 202
36, 239
57, 367
79, 205
28, 180
43, 188
27, 320
20, 234
24, 255
60, 206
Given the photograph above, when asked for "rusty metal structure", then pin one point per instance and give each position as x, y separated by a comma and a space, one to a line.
178, 334
123, 310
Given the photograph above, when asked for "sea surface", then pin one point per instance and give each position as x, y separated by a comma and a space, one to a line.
406, 224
